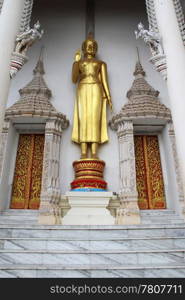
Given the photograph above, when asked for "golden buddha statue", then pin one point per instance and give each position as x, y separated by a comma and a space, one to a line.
90, 124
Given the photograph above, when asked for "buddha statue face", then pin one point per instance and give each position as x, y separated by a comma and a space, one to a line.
90, 47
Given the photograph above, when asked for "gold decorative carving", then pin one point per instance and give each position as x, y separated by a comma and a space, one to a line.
37, 164
141, 173
28, 172
149, 177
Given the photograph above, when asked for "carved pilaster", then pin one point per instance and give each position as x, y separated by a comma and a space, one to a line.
128, 212
177, 169
50, 192
3, 146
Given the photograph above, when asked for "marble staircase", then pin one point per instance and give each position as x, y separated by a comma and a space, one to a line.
160, 216
19, 216
152, 249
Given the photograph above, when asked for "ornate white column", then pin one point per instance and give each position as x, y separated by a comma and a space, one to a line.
50, 191
3, 146
175, 56
177, 168
128, 213
9, 26
8, 146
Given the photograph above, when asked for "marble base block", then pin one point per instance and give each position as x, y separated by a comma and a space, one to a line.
88, 208
47, 215
128, 213
49, 219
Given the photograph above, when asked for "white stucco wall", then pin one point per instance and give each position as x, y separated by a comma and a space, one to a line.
64, 25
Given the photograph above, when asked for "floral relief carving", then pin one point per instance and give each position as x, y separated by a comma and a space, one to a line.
3, 141
176, 162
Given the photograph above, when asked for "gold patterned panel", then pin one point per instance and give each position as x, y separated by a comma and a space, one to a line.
28, 172
157, 197
141, 176
37, 164
22, 170
149, 177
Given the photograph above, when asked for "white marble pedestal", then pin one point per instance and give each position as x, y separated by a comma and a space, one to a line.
88, 208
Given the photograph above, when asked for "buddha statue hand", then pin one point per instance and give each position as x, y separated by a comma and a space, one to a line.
110, 103
78, 55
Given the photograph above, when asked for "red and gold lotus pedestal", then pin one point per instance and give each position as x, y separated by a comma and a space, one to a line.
89, 175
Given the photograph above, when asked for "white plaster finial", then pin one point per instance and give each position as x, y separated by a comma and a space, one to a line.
138, 56
39, 69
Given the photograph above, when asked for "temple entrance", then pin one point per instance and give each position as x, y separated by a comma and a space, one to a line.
28, 172
149, 176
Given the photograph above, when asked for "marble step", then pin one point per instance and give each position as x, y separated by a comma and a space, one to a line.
93, 232
16, 216
162, 220
34, 221
18, 212
79, 244
13, 217
85, 257
16, 221
160, 217
28, 221
150, 212
154, 212
91, 271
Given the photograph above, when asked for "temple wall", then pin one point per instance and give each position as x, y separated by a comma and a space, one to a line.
64, 25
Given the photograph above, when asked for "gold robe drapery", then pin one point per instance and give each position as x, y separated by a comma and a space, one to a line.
90, 121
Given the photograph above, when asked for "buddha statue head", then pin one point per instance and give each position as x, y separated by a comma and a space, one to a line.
90, 46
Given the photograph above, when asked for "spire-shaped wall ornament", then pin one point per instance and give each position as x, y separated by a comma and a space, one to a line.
34, 110
142, 102
40, 65
23, 42
139, 68
35, 98
142, 109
